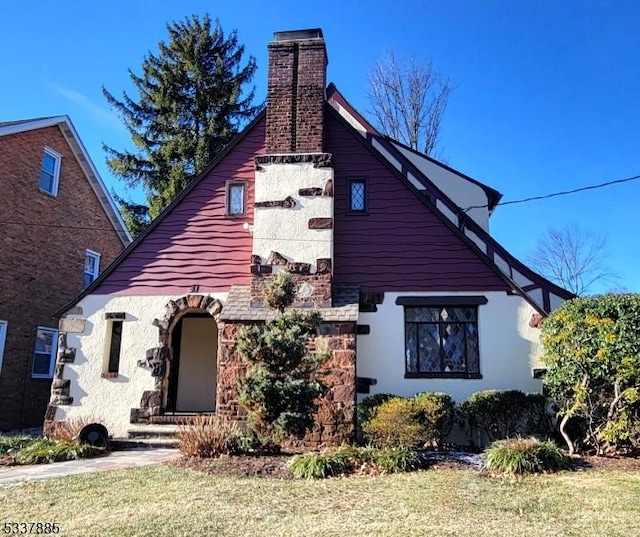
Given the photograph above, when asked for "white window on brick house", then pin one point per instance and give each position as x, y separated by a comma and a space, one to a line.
50, 171
44, 354
91, 267
3, 336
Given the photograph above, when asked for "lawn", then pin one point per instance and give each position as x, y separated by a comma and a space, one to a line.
165, 500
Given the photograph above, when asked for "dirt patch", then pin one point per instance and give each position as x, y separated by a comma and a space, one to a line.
607, 463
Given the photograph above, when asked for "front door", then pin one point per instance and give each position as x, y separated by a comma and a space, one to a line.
192, 384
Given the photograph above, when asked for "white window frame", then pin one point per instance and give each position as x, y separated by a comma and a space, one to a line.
52, 353
94, 275
56, 171
3, 338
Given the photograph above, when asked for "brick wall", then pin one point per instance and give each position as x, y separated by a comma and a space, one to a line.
42, 266
295, 95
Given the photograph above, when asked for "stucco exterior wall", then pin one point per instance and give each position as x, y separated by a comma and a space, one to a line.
286, 231
509, 349
104, 400
462, 192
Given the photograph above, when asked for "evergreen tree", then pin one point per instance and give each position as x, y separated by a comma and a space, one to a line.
280, 390
191, 102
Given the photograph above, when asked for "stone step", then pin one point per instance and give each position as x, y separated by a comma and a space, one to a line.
154, 431
122, 444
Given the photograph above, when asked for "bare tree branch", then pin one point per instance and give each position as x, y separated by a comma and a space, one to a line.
407, 100
573, 258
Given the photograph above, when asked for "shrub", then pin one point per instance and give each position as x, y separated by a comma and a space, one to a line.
592, 354
10, 445
425, 419
525, 455
45, 450
317, 465
438, 414
369, 405
208, 436
398, 460
505, 414
348, 460
396, 423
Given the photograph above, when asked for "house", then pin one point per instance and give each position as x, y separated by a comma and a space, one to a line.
391, 246
59, 229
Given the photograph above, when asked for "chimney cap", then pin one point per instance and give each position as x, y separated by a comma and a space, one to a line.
299, 35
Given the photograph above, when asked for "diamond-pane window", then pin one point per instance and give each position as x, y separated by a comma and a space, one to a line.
357, 196
442, 341
235, 198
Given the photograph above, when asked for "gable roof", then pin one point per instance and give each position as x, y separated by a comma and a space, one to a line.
165, 212
71, 136
537, 290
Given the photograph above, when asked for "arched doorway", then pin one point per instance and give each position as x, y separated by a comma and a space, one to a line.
192, 375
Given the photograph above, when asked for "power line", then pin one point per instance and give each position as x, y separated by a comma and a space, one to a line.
563, 193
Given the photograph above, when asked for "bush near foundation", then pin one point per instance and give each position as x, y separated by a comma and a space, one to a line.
592, 353
501, 414
39, 450
424, 420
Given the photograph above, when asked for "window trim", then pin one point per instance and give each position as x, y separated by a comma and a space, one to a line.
227, 209
55, 183
53, 353
442, 302
96, 256
4, 326
365, 182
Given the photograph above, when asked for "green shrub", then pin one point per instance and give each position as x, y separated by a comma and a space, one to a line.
369, 405
425, 419
524, 455
12, 444
208, 436
396, 423
505, 414
438, 414
347, 460
317, 465
44, 450
397, 460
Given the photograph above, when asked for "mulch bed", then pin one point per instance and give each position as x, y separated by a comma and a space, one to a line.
275, 466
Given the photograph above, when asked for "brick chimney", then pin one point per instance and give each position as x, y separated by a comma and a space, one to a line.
295, 93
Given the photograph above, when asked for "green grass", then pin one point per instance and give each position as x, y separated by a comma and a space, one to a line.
168, 501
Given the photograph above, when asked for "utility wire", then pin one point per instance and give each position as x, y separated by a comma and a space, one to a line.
563, 193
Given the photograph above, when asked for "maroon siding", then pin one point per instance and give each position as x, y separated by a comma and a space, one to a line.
400, 245
195, 244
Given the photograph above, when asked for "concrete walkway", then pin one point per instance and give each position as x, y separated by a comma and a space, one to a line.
114, 461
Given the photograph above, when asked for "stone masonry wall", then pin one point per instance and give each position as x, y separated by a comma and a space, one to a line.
335, 416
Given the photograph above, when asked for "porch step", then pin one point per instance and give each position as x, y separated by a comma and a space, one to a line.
176, 418
153, 431
122, 444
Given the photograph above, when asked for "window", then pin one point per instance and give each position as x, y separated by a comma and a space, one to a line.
91, 267
44, 356
3, 335
441, 339
115, 343
50, 171
236, 198
357, 195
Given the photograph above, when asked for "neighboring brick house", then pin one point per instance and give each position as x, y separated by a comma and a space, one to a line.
59, 229
391, 246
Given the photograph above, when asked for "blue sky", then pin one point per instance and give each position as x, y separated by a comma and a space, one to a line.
546, 92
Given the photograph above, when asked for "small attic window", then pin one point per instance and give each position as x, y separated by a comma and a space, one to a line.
357, 195
50, 172
236, 198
